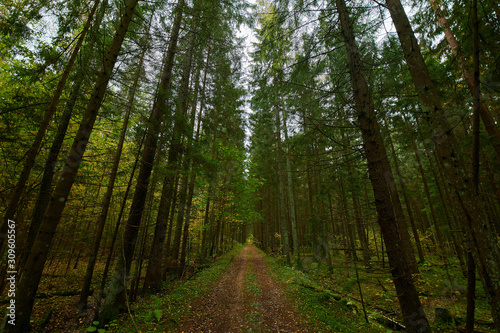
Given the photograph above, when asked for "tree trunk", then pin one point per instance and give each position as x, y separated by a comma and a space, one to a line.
291, 198
43, 198
358, 218
118, 220
33, 151
481, 233
178, 147
28, 282
282, 205
471, 293
153, 272
427, 191
378, 169
115, 301
192, 180
175, 155
207, 206
101, 221
348, 241
361, 229
171, 216
407, 202
136, 278
476, 93
469, 77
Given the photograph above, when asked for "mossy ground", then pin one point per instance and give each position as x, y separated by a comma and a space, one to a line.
162, 311
327, 300
439, 285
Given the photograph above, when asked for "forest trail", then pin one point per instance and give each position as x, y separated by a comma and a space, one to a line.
245, 300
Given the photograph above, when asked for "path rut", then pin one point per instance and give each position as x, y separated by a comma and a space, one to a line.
245, 300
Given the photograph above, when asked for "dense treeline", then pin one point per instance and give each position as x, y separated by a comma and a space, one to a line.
373, 134
122, 133
370, 142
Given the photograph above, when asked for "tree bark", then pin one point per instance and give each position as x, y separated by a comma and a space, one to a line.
101, 221
179, 146
469, 76
192, 180
427, 192
28, 282
471, 293
476, 93
35, 146
120, 215
481, 233
378, 169
153, 272
291, 198
407, 202
173, 166
43, 198
282, 204
115, 301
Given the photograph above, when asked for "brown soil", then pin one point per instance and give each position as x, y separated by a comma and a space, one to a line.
245, 300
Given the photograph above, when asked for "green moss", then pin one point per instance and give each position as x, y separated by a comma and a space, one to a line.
164, 310
322, 309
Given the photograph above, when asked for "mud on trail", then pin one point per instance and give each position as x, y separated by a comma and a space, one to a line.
245, 300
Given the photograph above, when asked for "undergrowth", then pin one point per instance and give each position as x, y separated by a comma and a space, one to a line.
322, 309
163, 311
252, 292
330, 299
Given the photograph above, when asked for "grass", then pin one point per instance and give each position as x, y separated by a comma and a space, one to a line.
252, 291
439, 286
163, 311
252, 284
322, 309
327, 301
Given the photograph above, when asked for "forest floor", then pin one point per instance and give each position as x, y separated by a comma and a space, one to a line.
247, 299
245, 290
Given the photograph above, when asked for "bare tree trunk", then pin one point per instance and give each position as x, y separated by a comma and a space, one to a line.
207, 206
361, 229
120, 215
379, 170
471, 293
471, 266
427, 191
291, 198
349, 247
192, 180
116, 297
49, 170
310, 206
171, 216
407, 202
438, 177
282, 205
174, 159
28, 282
153, 272
139, 261
481, 233
178, 147
101, 221
35, 146
469, 76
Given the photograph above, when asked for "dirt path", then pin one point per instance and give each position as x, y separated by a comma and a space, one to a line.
245, 300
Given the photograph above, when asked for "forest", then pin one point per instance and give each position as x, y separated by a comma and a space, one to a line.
250, 166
